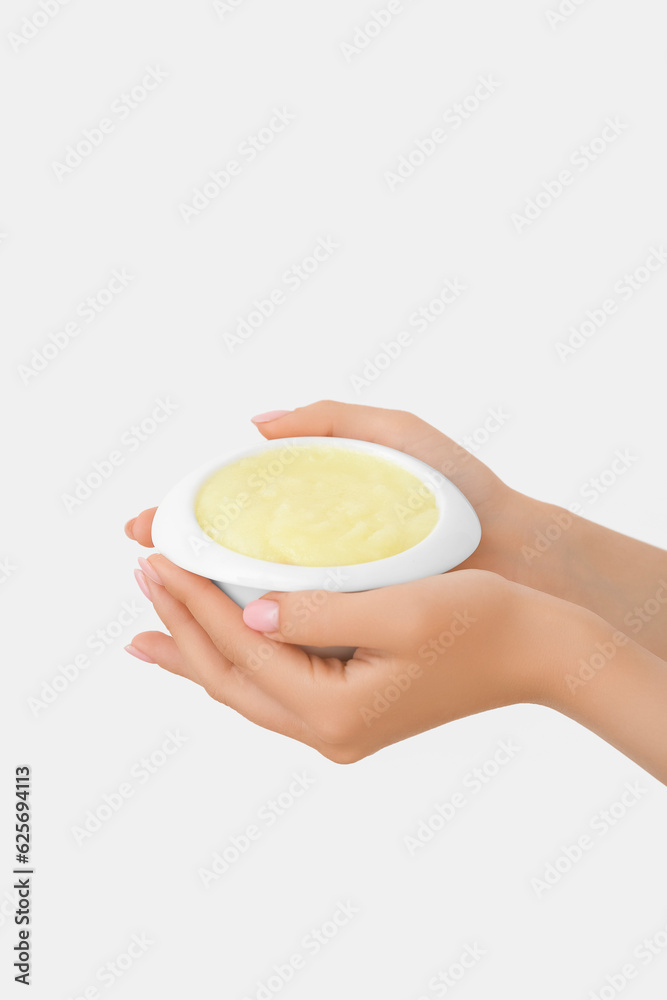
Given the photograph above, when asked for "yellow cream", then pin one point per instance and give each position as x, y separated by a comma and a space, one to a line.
316, 505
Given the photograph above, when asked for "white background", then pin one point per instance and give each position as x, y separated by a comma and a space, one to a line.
163, 337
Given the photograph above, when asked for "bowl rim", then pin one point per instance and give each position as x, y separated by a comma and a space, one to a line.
178, 535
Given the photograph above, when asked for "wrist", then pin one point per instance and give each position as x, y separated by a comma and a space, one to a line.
616, 688
585, 649
529, 544
620, 579
547, 637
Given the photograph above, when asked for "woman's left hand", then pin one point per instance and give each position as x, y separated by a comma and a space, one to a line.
427, 652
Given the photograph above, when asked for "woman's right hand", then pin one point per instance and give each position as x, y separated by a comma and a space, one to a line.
508, 518
501, 510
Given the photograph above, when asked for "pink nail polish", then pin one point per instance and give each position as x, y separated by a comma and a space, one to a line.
143, 586
263, 418
150, 571
133, 651
261, 615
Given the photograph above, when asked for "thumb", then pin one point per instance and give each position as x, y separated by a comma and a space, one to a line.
330, 418
396, 429
378, 619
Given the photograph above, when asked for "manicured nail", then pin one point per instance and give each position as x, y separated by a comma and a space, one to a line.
263, 418
143, 586
128, 528
150, 571
133, 651
261, 615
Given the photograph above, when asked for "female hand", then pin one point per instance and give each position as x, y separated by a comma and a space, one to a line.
525, 644
537, 544
428, 652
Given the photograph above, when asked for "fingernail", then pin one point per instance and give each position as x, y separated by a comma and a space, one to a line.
143, 586
263, 418
128, 528
133, 651
261, 615
150, 571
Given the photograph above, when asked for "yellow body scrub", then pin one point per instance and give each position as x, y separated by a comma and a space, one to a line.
313, 505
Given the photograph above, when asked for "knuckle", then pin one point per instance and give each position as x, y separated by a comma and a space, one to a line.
336, 727
298, 616
290, 616
419, 622
287, 631
192, 591
256, 659
488, 585
213, 691
231, 646
342, 755
408, 420
327, 408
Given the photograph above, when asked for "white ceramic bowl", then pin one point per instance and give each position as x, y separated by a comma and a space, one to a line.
178, 535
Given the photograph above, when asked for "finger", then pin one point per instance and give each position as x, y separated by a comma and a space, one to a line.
399, 618
190, 653
161, 649
387, 618
299, 681
139, 528
204, 663
394, 428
